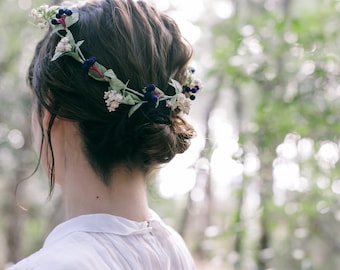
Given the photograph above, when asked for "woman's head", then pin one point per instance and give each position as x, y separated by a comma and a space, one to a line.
142, 47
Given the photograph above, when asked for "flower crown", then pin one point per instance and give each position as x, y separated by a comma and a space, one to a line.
118, 92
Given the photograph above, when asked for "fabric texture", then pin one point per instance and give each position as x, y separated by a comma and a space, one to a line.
106, 242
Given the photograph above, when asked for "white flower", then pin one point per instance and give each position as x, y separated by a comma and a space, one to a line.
182, 102
38, 16
198, 83
42, 25
112, 100
44, 8
63, 45
34, 14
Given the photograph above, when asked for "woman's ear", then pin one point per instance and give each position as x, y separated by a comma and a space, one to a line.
48, 119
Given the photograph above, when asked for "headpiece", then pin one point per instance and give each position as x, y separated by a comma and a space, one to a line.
118, 92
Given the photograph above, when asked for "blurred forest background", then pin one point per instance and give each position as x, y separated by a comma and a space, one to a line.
260, 186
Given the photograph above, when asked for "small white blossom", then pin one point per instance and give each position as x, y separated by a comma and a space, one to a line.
40, 15
182, 103
63, 45
34, 14
44, 8
112, 100
198, 83
42, 25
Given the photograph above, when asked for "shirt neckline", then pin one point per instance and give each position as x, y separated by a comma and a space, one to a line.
101, 223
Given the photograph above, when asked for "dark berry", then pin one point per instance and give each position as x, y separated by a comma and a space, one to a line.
186, 88
54, 22
150, 88
91, 60
88, 63
68, 12
151, 99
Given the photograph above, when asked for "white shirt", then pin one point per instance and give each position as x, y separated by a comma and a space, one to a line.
106, 242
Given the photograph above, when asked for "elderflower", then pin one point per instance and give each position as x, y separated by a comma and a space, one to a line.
41, 15
35, 14
112, 100
63, 45
44, 8
39, 18
182, 103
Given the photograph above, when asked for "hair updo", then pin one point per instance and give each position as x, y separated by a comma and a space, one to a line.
142, 46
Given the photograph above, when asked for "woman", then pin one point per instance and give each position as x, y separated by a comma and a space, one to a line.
110, 84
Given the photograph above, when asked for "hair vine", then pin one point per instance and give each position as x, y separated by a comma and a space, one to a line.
118, 92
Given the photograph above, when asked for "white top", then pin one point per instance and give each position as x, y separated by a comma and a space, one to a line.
103, 242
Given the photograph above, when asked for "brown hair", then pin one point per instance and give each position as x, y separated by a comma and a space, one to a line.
142, 46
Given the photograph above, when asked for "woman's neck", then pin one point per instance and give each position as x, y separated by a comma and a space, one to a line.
85, 193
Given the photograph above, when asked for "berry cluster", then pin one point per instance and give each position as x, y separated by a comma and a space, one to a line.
151, 96
60, 17
192, 86
191, 91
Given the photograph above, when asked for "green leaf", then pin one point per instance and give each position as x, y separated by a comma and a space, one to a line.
79, 43
110, 74
128, 99
135, 108
117, 84
175, 84
134, 97
57, 55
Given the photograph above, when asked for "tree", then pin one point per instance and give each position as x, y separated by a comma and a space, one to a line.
281, 67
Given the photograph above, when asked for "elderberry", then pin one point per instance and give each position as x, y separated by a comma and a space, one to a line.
150, 88
186, 88
151, 98
88, 63
68, 12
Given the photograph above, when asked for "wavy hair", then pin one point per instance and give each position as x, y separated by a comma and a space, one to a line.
142, 46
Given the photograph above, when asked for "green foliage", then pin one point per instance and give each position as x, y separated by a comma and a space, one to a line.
284, 65
278, 66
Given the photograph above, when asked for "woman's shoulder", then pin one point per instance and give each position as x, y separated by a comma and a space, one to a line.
63, 255
106, 242
80, 243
